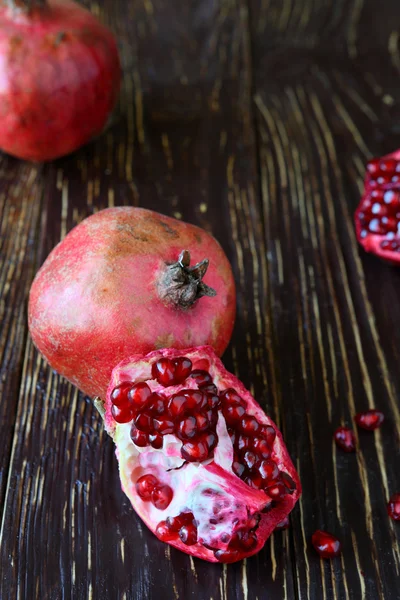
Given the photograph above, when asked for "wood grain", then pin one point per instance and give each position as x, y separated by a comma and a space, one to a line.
253, 120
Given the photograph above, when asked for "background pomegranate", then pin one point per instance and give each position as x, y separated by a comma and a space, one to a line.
203, 466
377, 217
120, 284
60, 76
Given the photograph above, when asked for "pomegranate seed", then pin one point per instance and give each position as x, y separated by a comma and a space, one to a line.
243, 443
139, 437
246, 540
345, 439
211, 440
119, 395
388, 165
238, 468
326, 544
233, 413
175, 523
156, 440
177, 404
370, 419
250, 425
139, 395
373, 166
195, 451
201, 422
269, 470
393, 507
122, 415
201, 377
183, 368
161, 496
210, 388
249, 459
254, 481
227, 556
276, 490
188, 534
254, 521
261, 448
213, 400
195, 399
156, 405
164, 533
164, 425
283, 524
145, 485
288, 482
144, 422
268, 433
187, 428
163, 370
212, 417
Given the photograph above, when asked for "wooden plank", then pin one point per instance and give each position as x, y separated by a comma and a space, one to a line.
335, 347
182, 144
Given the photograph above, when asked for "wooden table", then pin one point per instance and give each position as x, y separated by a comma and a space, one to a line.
253, 120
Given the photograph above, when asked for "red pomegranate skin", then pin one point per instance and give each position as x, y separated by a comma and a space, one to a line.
59, 78
96, 300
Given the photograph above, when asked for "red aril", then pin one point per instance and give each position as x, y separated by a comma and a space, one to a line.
326, 544
207, 489
393, 507
370, 419
284, 524
122, 283
60, 77
377, 218
344, 438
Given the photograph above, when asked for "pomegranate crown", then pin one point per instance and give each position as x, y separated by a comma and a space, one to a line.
182, 285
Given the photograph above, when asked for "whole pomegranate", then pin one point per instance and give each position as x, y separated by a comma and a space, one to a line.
121, 283
377, 217
203, 466
60, 76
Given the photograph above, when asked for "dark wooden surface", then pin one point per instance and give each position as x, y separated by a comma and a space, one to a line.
253, 119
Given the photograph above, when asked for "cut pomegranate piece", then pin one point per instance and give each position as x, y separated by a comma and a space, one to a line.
326, 544
370, 419
344, 438
377, 218
201, 463
393, 507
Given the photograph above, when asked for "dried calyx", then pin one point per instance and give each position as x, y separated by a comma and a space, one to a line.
202, 464
181, 284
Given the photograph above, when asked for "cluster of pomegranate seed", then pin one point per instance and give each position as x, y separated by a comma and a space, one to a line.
326, 544
393, 507
182, 526
151, 490
383, 171
192, 416
380, 214
369, 419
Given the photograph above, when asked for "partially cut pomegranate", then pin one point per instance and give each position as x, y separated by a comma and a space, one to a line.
203, 466
377, 218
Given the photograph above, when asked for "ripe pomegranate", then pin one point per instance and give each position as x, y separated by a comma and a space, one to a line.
120, 283
370, 419
203, 466
345, 439
326, 544
60, 75
377, 218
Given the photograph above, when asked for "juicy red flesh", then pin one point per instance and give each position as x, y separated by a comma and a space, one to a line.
327, 545
393, 507
344, 438
149, 489
370, 419
182, 526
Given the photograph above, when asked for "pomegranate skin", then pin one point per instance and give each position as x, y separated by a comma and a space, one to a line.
96, 298
59, 79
